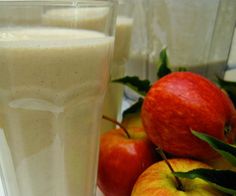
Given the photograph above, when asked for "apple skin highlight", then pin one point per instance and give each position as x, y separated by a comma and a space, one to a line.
182, 101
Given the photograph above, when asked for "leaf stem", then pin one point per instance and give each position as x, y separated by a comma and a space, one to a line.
179, 184
117, 123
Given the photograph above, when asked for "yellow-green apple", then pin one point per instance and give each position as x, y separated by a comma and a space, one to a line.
182, 101
122, 159
132, 120
158, 180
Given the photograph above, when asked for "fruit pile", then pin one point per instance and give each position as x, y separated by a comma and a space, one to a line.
178, 112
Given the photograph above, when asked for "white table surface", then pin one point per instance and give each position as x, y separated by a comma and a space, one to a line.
1, 189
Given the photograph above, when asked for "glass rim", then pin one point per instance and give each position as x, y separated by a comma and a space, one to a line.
69, 3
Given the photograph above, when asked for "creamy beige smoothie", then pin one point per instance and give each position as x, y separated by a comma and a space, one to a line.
52, 83
114, 95
93, 18
16, 15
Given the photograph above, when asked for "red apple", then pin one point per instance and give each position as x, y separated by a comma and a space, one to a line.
157, 180
123, 159
182, 101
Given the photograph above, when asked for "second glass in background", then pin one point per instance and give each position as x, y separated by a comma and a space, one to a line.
114, 96
139, 50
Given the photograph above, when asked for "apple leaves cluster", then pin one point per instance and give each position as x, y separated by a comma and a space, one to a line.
224, 180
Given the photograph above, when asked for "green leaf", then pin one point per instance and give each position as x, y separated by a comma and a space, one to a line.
163, 64
229, 87
226, 150
224, 180
133, 82
182, 69
135, 108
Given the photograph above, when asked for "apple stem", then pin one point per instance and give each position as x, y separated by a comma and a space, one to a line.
117, 123
179, 184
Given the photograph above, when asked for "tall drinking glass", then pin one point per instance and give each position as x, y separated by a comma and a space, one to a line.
197, 34
53, 80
